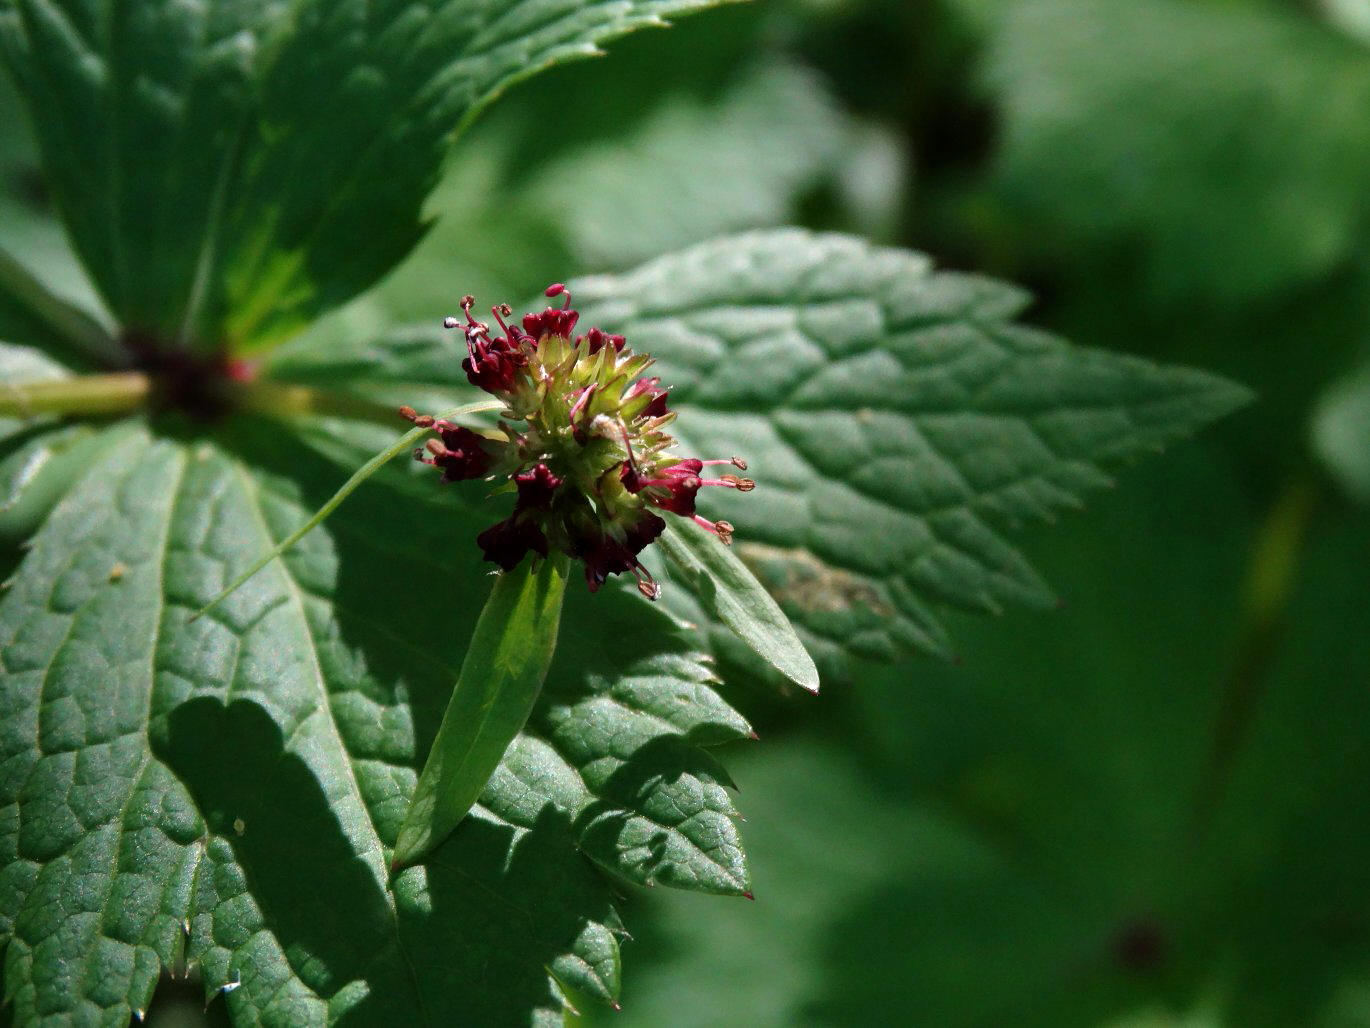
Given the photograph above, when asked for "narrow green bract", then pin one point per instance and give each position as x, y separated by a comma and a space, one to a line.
500, 679
732, 594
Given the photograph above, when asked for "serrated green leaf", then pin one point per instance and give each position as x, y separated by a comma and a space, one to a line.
895, 420
320, 126
248, 773
501, 677
731, 594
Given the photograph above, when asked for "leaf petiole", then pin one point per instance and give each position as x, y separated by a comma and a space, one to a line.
405, 442
119, 392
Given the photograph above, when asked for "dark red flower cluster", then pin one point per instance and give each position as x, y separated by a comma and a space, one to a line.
583, 439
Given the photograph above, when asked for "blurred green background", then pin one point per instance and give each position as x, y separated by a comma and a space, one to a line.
1149, 806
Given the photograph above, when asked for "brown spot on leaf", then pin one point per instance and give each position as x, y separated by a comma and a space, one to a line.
799, 580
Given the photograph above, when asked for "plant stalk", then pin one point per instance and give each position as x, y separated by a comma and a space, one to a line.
127, 392
1271, 577
120, 392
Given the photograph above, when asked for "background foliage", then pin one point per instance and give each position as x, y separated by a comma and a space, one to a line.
1141, 807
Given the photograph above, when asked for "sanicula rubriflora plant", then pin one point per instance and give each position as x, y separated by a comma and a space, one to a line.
582, 443
272, 791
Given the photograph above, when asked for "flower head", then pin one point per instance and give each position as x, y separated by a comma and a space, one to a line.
582, 440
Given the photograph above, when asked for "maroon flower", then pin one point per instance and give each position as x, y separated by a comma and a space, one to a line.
583, 440
552, 321
506, 542
595, 340
460, 453
604, 555
536, 487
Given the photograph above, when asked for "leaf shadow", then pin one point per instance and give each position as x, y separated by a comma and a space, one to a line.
313, 890
646, 789
472, 934
504, 905
469, 935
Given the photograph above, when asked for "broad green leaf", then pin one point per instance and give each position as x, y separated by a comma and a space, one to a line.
501, 677
248, 773
731, 594
679, 170
1217, 144
895, 420
141, 114
31, 230
320, 128
1341, 432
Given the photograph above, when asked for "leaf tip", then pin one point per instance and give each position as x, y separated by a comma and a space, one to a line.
806, 675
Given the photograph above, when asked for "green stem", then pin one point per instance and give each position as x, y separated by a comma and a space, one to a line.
1269, 583
127, 392
121, 392
289, 400
401, 445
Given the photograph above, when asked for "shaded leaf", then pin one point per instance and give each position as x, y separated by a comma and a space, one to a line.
31, 315
319, 126
1219, 142
248, 772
